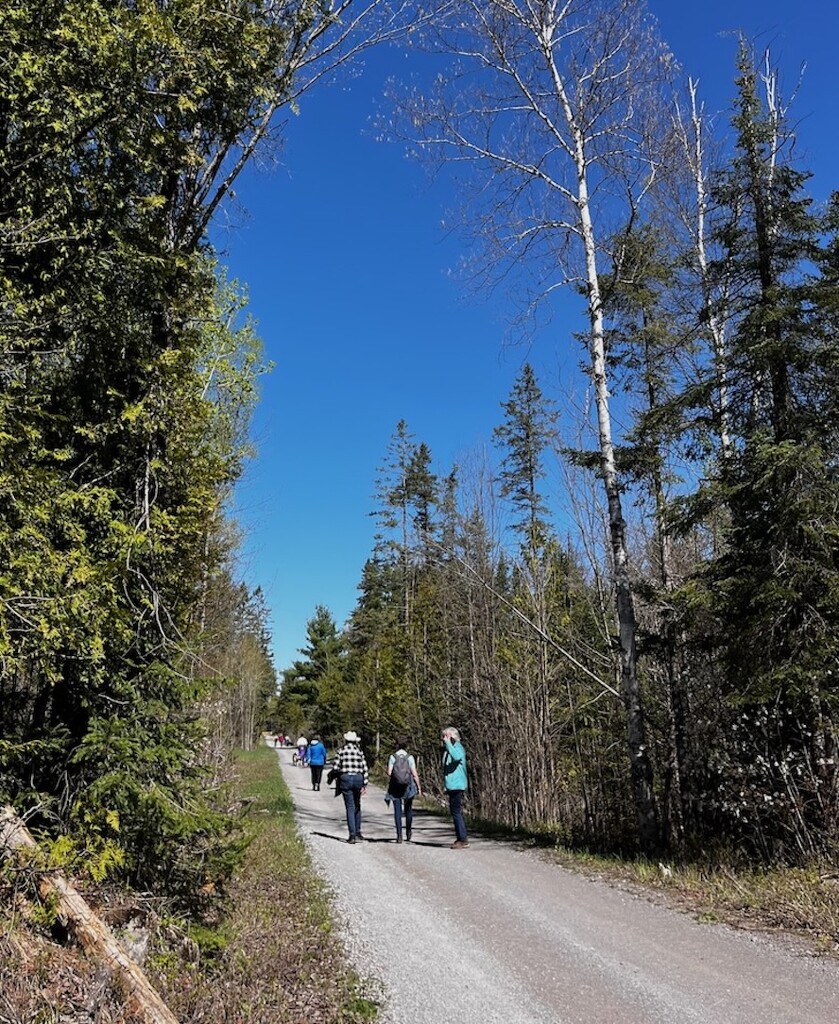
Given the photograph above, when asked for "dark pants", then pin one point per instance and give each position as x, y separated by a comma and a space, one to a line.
397, 814
351, 787
317, 772
456, 809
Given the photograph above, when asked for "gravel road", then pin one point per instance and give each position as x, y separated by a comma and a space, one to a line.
496, 935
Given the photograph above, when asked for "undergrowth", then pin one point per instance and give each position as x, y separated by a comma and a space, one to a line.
267, 954
274, 956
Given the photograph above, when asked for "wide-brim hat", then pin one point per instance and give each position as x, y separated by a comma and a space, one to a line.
352, 737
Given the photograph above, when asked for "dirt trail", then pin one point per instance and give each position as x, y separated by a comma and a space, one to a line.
495, 935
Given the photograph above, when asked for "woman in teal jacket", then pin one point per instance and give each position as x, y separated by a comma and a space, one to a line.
456, 782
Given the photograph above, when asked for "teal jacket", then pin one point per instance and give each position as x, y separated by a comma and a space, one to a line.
454, 766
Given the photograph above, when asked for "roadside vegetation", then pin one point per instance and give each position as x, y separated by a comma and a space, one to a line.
800, 902
274, 954
631, 611
268, 951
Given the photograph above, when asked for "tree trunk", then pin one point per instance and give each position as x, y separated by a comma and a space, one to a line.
93, 934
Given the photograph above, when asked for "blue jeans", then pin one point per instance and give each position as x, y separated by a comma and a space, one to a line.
397, 814
351, 787
456, 809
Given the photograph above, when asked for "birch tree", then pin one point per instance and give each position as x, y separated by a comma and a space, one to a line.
549, 113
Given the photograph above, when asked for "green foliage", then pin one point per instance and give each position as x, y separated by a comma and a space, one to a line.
127, 379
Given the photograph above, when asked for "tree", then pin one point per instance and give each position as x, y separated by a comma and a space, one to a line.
553, 110
777, 574
524, 436
125, 382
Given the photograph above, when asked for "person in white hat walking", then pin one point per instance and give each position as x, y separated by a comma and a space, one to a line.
349, 769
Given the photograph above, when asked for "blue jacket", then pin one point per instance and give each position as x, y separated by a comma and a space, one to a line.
316, 754
454, 766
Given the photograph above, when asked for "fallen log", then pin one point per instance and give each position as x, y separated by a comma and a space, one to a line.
94, 935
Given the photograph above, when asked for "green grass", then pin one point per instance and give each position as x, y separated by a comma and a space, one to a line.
275, 955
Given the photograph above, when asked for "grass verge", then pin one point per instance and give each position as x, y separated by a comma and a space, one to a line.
800, 902
274, 957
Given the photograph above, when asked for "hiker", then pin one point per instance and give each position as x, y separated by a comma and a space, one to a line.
316, 757
349, 769
455, 782
403, 785
299, 757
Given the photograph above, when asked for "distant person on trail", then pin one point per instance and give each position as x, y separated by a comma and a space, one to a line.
349, 769
317, 759
302, 747
455, 781
403, 785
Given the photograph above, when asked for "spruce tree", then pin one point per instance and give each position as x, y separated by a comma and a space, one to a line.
778, 577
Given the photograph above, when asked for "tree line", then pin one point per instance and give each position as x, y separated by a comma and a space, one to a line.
658, 671
132, 658
643, 655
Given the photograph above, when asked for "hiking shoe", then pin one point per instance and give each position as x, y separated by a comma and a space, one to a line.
459, 844
351, 839
408, 835
399, 839
358, 835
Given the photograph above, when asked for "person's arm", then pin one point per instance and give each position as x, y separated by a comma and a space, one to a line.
412, 764
391, 761
452, 749
365, 772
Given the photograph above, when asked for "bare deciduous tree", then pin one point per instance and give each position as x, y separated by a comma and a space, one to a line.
550, 114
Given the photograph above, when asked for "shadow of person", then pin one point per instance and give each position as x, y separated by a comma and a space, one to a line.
326, 835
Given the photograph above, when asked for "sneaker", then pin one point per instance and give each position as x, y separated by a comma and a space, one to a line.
459, 844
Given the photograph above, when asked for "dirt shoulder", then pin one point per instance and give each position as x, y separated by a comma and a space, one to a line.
795, 904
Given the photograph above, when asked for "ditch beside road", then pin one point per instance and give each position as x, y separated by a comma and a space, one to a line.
497, 935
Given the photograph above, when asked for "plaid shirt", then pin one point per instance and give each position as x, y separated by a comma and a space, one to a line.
350, 760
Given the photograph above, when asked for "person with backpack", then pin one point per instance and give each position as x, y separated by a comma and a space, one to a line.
316, 756
455, 782
403, 785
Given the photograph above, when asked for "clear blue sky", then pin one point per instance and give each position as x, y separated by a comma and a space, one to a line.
345, 261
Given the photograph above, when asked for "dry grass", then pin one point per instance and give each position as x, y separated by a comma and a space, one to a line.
275, 957
798, 902
271, 957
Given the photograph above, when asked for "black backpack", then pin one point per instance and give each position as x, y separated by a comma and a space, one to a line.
400, 774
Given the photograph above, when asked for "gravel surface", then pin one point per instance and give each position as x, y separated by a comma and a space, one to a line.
496, 935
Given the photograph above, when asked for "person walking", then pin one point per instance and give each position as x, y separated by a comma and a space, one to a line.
455, 782
403, 785
302, 747
350, 772
316, 756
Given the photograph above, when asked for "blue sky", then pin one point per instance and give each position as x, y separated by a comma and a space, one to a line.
341, 249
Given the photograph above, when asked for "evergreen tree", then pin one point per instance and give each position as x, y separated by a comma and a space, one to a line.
527, 431
777, 576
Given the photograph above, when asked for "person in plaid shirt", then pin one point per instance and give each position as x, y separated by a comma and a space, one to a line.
350, 770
